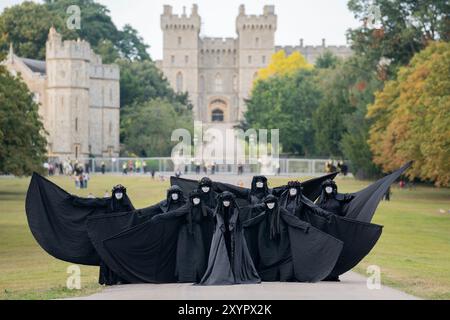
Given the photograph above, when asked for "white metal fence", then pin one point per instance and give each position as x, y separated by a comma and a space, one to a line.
287, 166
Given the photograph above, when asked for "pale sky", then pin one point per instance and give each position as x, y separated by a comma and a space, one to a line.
311, 20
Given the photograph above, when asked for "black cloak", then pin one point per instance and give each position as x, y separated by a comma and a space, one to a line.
208, 198
333, 202
229, 259
170, 247
311, 188
363, 203
358, 237
284, 248
101, 227
59, 226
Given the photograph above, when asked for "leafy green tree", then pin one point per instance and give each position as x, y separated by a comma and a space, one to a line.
141, 81
286, 103
403, 28
327, 60
147, 127
22, 144
26, 26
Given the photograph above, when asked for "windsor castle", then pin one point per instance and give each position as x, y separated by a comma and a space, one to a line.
79, 96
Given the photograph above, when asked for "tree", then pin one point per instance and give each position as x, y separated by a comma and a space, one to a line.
283, 65
22, 144
286, 103
411, 117
394, 30
327, 60
148, 126
26, 26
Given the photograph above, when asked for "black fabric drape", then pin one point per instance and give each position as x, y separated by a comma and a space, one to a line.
229, 259
300, 252
365, 202
58, 225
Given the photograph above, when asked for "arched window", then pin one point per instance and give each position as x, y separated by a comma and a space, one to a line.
218, 82
76, 124
179, 82
217, 115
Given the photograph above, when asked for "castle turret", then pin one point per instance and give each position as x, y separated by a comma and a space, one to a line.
67, 64
256, 42
180, 51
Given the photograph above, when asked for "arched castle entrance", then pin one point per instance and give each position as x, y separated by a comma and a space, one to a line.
218, 110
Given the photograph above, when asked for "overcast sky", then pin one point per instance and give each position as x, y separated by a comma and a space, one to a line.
311, 20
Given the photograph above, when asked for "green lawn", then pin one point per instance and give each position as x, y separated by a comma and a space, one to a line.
413, 252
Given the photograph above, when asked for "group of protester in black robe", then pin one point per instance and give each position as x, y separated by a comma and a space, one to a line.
212, 233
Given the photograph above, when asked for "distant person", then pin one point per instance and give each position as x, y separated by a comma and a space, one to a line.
153, 173
144, 167
240, 169
103, 167
124, 168
85, 177
213, 168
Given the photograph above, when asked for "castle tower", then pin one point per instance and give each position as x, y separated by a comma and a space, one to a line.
67, 64
180, 51
256, 42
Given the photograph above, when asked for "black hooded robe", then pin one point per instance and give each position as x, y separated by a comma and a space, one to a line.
361, 205
296, 251
229, 259
106, 275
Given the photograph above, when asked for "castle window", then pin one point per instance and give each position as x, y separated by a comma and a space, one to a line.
186, 59
179, 82
217, 115
110, 128
263, 59
218, 82
249, 59
179, 41
235, 83
257, 42
172, 59
76, 124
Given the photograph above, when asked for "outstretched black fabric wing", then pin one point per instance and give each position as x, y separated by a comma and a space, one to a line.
57, 225
362, 207
358, 238
105, 226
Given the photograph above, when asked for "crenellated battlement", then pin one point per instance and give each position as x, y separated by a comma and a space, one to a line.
266, 21
218, 45
67, 49
171, 21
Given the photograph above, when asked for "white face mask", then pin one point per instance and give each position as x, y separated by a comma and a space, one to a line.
329, 190
270, 205
196, 201
118, 195
205, 189
260, 185
293, 192
226, 203
175, 196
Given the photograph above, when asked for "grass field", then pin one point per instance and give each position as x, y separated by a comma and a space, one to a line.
413, 252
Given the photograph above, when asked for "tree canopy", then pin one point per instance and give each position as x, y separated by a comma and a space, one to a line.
411, 117
22, 140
